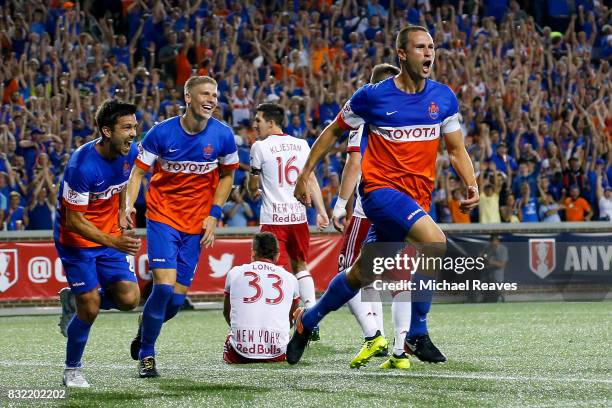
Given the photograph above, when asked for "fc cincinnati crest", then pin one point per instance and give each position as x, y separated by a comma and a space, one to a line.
126, 168
542, 259
434, 110
208, 151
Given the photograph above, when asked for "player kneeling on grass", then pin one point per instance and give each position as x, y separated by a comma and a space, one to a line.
260, 299
92, 235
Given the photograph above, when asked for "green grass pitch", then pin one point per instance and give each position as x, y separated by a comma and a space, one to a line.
520, 354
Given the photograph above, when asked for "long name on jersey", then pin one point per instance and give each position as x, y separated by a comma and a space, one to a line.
261, 295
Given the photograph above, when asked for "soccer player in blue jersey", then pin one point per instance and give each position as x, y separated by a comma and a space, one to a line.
193, 158
93, 239
406, 116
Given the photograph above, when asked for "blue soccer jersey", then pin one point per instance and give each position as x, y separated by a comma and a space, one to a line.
403, 135
92, 184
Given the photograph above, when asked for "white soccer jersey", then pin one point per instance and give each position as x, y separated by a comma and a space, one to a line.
280, 160
354, 145
261, 295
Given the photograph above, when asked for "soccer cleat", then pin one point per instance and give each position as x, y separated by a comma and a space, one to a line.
68, 303
369, 350
401, 362
384, 352
316, 334
73, 377
299, 340
135, 345
146, 368
422, 348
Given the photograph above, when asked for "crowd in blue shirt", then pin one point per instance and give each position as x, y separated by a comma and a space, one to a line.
532, 79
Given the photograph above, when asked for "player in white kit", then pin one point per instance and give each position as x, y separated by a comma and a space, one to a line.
260, 299
277, 159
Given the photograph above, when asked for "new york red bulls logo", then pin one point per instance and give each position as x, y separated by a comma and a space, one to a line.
434, 110
126, 168
208, 151
542, 259
8, 269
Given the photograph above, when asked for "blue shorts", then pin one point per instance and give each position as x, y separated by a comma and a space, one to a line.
168, 248
392, 214
86, 268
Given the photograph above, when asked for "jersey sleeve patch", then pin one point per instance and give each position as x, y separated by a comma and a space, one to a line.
145, 157
74, 199
354, 140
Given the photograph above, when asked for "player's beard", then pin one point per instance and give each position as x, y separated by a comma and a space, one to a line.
121, 147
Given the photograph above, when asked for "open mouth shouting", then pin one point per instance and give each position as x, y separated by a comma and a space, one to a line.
127, 144
427, 64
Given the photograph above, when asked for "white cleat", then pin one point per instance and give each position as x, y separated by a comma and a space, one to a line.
73, 377
68, 304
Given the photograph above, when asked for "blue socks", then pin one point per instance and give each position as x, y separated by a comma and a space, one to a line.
421, 302
153, 317
338, 293
106, 300
78, 332
174, 306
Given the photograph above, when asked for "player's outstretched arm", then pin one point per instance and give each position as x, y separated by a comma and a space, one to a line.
322, 146
131, 194
317, 199
76, 222
461, 162
348, 182
226, 180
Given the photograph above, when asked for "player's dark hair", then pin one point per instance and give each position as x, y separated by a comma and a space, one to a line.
383, 71
273, 112
110, 111
265, 245
402, 37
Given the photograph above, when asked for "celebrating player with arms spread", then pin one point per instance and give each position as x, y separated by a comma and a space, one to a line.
277, 159
193, 157
406, 117
92, 237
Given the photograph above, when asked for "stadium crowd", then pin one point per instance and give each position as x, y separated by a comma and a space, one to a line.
534, 98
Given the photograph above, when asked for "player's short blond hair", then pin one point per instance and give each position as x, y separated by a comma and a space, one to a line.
198, 80
383, 71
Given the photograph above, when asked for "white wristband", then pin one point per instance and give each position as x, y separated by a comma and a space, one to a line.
340, 203
339, 208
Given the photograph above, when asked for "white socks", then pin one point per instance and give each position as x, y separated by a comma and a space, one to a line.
307, 288
363, 314
401, 311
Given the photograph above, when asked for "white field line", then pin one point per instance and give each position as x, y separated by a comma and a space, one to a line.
407, 374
